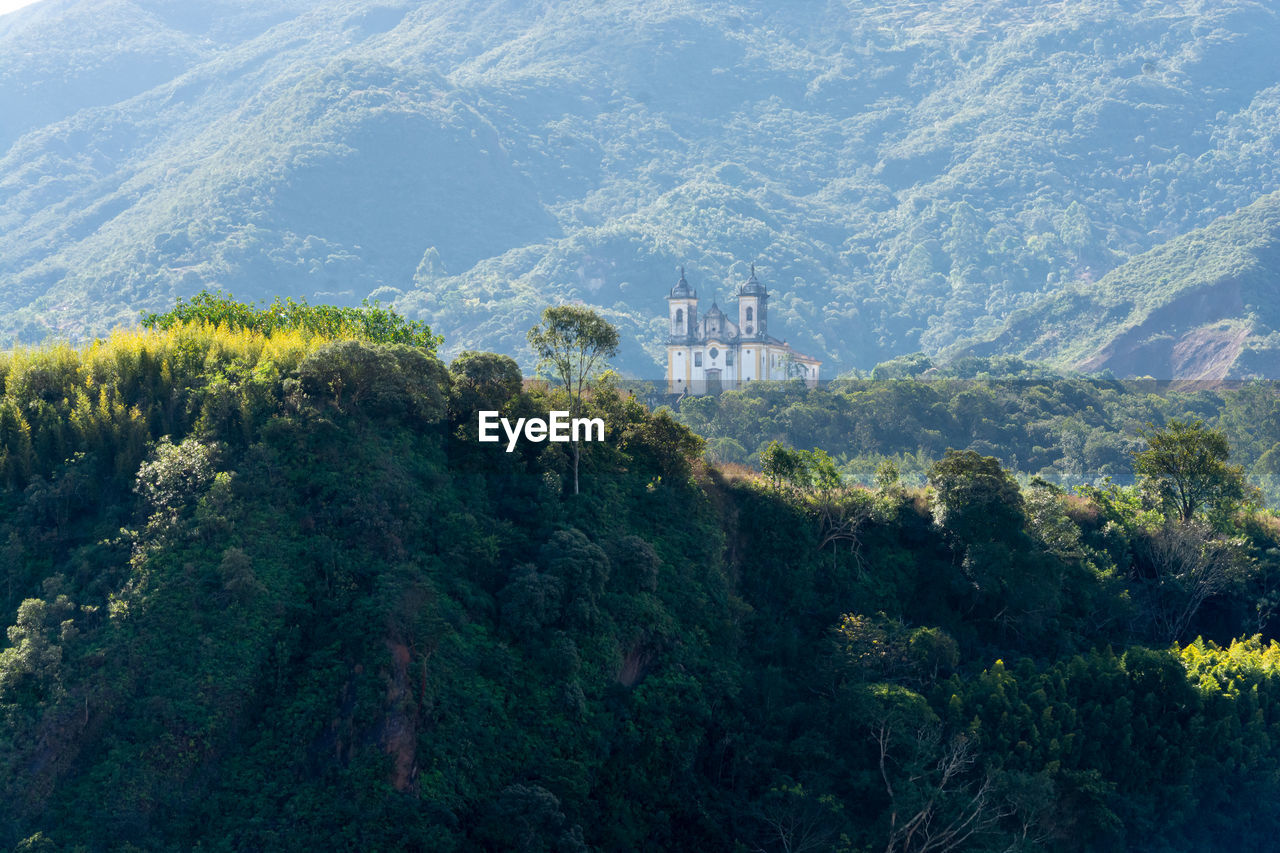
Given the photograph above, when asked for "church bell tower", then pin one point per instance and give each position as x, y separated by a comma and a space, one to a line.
682, 307
753, 308
682, 314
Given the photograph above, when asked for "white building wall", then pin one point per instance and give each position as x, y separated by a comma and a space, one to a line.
677, 377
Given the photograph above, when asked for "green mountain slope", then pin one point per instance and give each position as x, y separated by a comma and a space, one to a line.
905, 175
269, 592
1203, 305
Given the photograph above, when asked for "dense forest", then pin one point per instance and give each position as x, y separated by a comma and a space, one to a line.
263, 589
1070, 430
906, 175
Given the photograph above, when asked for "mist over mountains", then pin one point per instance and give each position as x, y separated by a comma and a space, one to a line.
907, 176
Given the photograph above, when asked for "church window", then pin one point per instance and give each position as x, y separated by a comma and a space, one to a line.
715, 353
751, 314
679, 317
728, 358
697, 359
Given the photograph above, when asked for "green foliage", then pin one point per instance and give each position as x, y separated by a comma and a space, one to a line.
573, 345
175, 475
902, 367
352, 376
887, 476
483, 381
802, 469
778, 463
1067, 430
1185, 467
266, 592
879, 649
974, 499
31, 667
370, 322
665, 443
300, 493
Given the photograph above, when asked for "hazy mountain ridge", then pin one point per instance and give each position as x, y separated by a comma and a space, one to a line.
1202, 305
904, 177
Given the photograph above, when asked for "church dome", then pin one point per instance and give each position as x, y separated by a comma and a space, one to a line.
682, 290
752, 286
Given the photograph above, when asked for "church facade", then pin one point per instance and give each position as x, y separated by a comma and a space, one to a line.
710, 352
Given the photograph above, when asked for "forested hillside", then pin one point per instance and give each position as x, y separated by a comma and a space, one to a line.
1071, 430
904, 175
1202, 306
263, 589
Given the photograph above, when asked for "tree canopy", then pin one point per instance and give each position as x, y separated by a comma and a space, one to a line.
1185, 467
368, 322
573, 345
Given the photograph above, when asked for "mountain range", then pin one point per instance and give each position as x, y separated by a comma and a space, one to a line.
947, 177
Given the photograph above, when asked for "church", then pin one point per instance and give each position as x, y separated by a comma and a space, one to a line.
710, 353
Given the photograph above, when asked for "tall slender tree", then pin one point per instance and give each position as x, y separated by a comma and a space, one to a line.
573, 345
